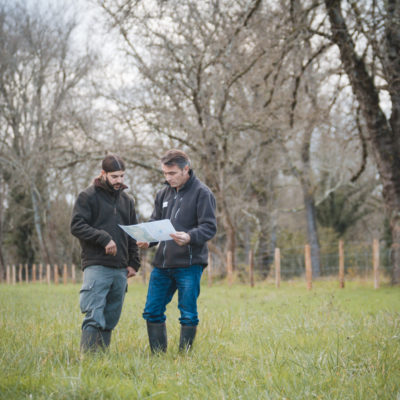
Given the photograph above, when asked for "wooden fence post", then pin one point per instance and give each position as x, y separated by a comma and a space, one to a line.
73, 273
40, 273
14, 275
55, 274
341, 264
20, 273
209, 270
48, 274
307, 256
8, 276
26, 273
34, 273
251, 267
229, 268
65, 274
375, 250
277, 262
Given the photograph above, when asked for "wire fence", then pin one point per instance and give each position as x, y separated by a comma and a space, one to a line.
357, 259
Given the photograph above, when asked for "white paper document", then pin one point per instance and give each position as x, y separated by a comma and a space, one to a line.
155, 231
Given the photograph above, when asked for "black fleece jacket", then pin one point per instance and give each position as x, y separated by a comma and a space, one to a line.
191, 210
97, 212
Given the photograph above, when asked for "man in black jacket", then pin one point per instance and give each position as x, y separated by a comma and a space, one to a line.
179, 263
109, 255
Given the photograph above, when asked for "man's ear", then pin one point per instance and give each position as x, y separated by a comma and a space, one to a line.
103, 173
186, 168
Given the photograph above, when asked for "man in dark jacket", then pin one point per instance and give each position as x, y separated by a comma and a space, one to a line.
109, 256
179, 263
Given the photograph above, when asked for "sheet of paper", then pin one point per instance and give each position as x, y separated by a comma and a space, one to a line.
138, 233
160, 229
155, 231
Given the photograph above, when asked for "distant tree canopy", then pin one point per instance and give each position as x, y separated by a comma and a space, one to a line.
343, 208
277, 104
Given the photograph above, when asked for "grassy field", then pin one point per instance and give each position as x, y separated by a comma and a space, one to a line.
259, 343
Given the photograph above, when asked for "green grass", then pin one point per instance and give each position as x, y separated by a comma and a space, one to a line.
252, 343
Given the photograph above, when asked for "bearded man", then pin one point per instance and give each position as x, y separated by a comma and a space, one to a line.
109, 256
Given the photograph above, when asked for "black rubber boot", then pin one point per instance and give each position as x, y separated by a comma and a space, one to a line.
89, 341
188, 334
105, 339
157, 336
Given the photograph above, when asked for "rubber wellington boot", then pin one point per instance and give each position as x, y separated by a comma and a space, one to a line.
157, 336
188, 334
89, 341
105, 339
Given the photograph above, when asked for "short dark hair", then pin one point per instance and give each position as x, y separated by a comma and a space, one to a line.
175, 157
113, 162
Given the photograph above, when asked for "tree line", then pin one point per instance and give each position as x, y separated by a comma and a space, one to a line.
290, 111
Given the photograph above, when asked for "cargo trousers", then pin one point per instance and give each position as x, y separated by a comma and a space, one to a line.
102, 296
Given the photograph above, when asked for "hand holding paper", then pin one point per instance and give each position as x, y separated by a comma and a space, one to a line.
181, 238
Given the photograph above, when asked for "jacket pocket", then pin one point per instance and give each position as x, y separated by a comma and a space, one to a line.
87, 297
176, 255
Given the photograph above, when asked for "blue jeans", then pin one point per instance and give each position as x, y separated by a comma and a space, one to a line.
101, 296
162, 286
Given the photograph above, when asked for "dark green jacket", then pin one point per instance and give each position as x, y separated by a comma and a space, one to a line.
191, 210
97, 212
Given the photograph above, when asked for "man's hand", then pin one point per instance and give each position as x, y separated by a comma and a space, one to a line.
111, 248
143, 245
131, 272
181, 238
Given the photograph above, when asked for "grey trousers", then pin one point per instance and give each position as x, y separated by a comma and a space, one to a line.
101, 297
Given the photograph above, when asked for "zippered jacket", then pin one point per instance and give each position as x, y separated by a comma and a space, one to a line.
97, 212
191, 210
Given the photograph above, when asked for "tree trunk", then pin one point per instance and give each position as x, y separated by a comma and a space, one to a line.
395, 228
312, 233
38, 227
309, 203
231, 241
384, 136
267, 239
2, 263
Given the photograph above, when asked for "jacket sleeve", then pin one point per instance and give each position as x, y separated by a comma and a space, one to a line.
133, 250
207, 223
81, 222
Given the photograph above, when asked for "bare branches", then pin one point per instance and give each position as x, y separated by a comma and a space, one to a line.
38, 80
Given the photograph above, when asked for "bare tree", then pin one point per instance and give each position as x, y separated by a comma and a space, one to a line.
367, 36
192, 59
225, 80
38, 78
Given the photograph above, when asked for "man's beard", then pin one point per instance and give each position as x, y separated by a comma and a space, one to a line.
116, 186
